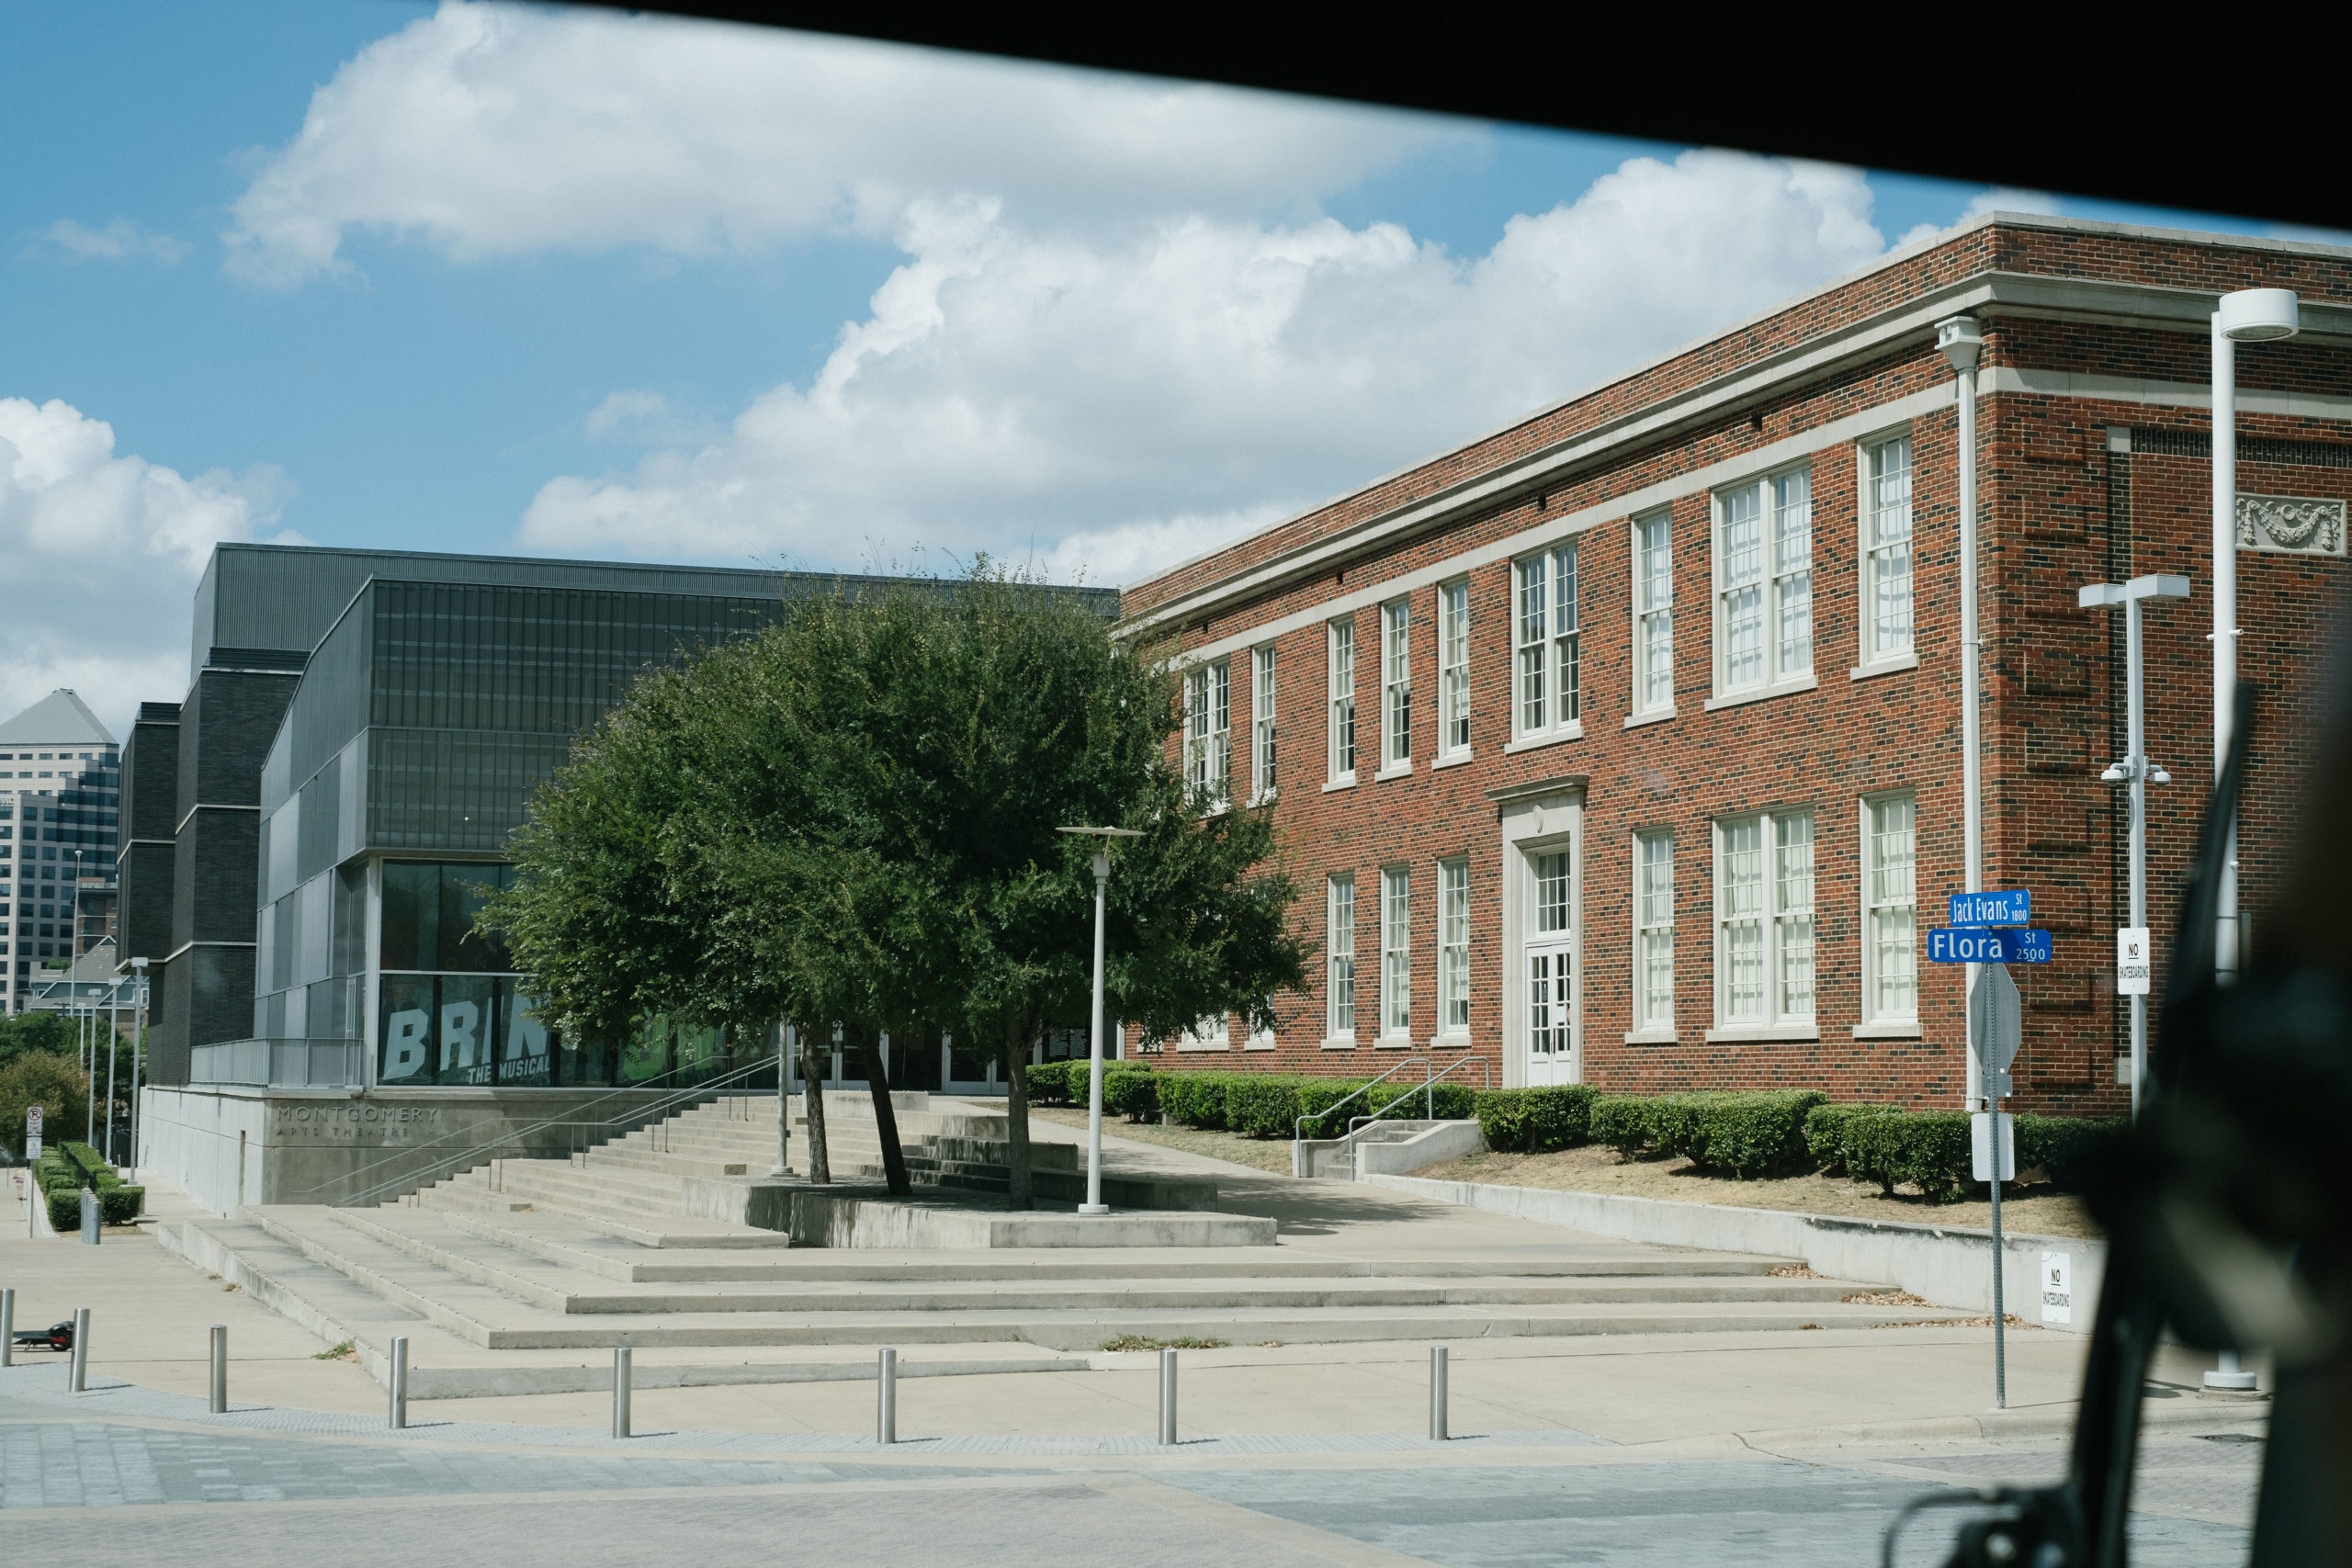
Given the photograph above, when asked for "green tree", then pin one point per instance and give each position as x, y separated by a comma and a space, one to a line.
853, 818
52, 1033
52, 1082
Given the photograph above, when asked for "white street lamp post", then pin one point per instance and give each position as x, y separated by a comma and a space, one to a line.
1094, 1204
137, 1046
1962, 343
2249, 315
2135, 769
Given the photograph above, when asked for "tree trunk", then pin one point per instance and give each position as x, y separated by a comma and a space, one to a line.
813, 1090
886, 1116
1016, 1116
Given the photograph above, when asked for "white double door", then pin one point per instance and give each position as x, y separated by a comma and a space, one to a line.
1547, 967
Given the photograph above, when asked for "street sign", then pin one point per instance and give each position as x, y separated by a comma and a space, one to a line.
1987, 946
1996, 1021
32, 1134
2011, 907
2132, 964
1980, 1133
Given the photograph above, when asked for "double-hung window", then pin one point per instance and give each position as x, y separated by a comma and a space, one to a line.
1764, 583
1454, 668
1397, 685
1395, 954
1342, 660
1654, 932
1339, 943
1544, 637
1261, 723
1453, 946
1886, 550
1889, 943
1208, 727
1764, 921
1653, 615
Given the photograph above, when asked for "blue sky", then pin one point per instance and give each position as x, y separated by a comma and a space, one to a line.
373, 274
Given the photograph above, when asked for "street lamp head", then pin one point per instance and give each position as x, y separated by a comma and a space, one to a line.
1961, 341
2259, 315
2114, 773
1103, 832
2157, 775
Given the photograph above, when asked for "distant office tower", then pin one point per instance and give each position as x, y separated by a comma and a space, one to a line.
60, 809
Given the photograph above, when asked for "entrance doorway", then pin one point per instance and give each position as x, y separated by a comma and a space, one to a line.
1548, 966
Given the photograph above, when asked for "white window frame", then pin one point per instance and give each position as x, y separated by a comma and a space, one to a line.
1340, 663
1786, 923
1212, 1034
1653, 614
1396, 955
1782, 583
1652, 1022
1263, 782
1546, 639
1453, 947
1879, 649
1339, 965
1877, 1017
1395, 688
1454, 669
1208, 728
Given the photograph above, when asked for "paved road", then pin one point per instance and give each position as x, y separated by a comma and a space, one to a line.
157, 1490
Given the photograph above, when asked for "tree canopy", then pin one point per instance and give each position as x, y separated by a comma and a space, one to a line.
853, 818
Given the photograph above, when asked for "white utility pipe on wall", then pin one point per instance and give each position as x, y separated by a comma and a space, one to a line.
1962, 343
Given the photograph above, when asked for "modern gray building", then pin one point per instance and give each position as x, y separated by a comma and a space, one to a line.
60, 784
310, 830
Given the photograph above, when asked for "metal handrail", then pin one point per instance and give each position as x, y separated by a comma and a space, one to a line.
705, 1089
1431, 1075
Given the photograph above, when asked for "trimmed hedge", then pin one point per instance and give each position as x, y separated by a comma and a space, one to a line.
1623, 1123
1131, 1093
1746, 1132
2063, 1147
1048, 1082
1395, 1101
119, 1205
1930, 1149
1195, 1099
1316, 1096
1532, 1121
1824, 1134
65, 1210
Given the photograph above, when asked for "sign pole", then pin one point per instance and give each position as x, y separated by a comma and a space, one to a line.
2000, 1320
2136, 761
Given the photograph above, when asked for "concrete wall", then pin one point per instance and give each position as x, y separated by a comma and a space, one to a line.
232, 1146
1948, 1266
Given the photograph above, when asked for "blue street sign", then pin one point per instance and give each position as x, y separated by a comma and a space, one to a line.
1980, 946
2011, 906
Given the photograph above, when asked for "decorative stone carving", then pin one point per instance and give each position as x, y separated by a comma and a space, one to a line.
2290, 524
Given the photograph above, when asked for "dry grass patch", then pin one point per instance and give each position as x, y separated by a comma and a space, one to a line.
2029, 1210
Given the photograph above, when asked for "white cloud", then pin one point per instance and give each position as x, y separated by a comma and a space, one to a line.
1992, 199
1118, 402
491, 131
103, 553
120, 240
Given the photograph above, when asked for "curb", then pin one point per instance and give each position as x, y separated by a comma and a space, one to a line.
2056, 1422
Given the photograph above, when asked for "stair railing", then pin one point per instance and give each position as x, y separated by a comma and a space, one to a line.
1430, 1076
584, 1137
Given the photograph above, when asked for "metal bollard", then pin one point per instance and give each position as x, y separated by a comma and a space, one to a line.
1437, 1394
1168, 1398
89, 1218
78, 1378
220, 1369
7, 1329
399, 1383
885, 1397
621, 1378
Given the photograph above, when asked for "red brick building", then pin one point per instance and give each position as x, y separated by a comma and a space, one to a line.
1624, 745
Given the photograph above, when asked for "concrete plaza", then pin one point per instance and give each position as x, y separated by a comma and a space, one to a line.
1730, 1447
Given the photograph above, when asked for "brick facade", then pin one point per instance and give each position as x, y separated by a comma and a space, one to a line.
2093, 465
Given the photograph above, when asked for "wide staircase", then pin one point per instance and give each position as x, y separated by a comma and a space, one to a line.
519, 1276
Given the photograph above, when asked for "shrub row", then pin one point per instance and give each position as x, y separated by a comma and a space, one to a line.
1742, 1134
118, 1203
